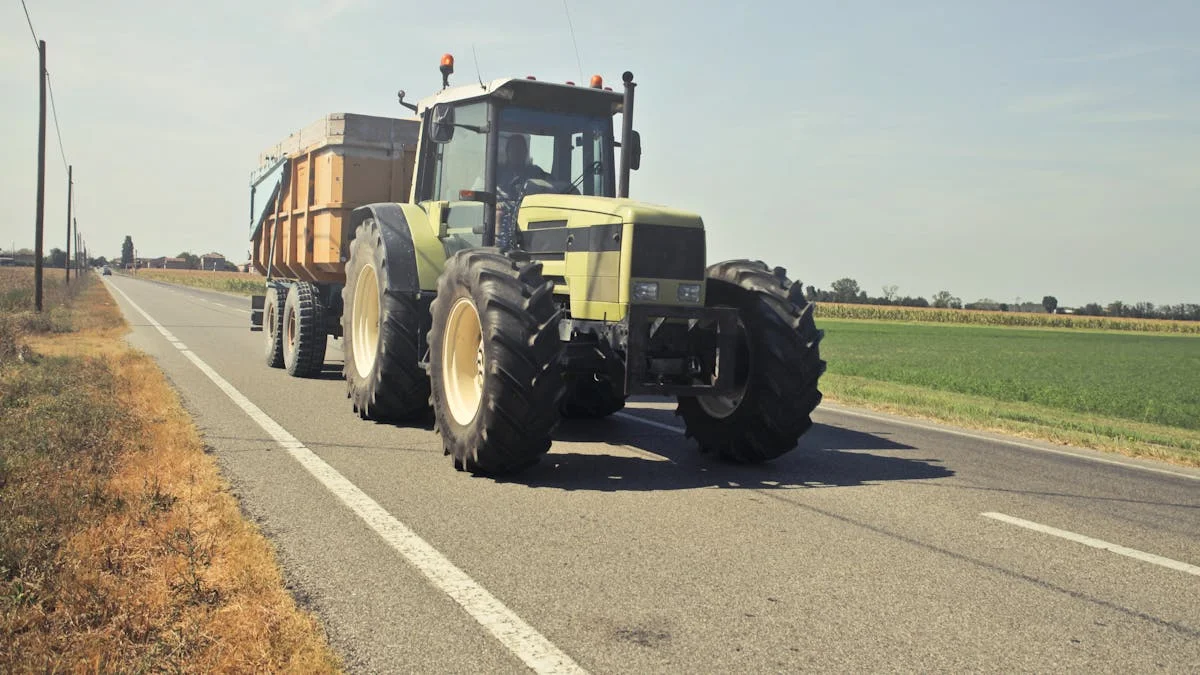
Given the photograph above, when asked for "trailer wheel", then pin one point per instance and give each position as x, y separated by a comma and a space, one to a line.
494, 354
273, 326
379, 336
304, 334
778, 366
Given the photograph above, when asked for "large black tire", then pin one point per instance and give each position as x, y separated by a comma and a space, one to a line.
304, 334
494, 362
273, 326
779, 364
384, 378
590, 398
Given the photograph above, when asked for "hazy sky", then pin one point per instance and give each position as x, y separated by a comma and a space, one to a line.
993, 149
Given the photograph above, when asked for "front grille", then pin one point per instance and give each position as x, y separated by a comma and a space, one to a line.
666, 252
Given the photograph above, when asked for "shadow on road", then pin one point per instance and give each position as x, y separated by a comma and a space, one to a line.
826, 457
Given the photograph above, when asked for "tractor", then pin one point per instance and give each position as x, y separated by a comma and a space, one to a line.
520, 285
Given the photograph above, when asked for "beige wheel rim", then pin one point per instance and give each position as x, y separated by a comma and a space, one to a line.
463, 361
364, 338
290, 327
720, 407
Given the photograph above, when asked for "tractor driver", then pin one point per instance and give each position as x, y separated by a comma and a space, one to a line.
517, 167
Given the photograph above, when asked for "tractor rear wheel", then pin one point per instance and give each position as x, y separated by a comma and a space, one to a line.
304, 336
273, 326
494, 362
778, 366
384, 378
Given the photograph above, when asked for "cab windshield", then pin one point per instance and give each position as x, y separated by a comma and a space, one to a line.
562, 152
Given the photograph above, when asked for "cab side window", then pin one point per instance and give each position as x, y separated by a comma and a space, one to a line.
458, 164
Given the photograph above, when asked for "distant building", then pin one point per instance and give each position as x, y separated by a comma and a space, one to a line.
17, 259
212, 261
163, 263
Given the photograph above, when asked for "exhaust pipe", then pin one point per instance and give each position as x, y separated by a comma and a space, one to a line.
626, 134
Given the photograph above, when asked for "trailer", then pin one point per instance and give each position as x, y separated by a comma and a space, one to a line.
301, 198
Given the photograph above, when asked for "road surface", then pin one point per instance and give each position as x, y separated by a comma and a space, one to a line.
879, 544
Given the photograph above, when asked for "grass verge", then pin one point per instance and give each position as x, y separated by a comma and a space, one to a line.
239, 283
1130, 393
120, 546
1178, 446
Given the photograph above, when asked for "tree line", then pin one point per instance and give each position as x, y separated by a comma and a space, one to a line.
847, 290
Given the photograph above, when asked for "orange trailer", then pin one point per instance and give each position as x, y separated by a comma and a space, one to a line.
306, 186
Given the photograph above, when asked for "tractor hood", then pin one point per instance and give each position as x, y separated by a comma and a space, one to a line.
620, 210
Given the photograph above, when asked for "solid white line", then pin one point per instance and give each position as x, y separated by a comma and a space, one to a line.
1005, 441
518, 636
1096, 543
659, 425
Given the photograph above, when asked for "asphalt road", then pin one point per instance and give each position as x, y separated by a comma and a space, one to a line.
625, 550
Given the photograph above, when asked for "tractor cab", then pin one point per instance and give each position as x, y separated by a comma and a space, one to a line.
484, 147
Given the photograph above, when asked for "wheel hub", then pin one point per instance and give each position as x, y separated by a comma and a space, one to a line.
463, 361
364, 325
723, 405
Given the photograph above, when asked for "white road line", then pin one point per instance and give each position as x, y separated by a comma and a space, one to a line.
1005, 441
658, 425
1096, 543
518, 636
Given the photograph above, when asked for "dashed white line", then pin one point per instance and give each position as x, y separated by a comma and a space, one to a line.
652, 423
1096, 543
525, 642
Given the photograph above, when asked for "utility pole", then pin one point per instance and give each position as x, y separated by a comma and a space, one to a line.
41, 180
67, 262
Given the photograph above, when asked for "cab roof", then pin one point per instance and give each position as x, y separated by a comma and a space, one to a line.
532, 93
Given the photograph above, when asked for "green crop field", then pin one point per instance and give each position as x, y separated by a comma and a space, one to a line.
1144, 378
241, 283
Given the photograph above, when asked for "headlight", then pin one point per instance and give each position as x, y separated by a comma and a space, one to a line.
645, 290
689, 293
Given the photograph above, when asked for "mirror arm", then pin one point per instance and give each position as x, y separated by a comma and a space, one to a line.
410, 106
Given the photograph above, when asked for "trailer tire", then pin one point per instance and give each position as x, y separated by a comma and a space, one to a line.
779, 367
591, 398
495, 370
273, 326
304, 331
380, 330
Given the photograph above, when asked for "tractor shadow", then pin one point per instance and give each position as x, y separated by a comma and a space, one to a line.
827, 456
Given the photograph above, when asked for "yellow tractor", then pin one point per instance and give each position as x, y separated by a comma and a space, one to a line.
519, 284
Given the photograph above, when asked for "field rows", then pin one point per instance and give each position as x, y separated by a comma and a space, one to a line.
826, 310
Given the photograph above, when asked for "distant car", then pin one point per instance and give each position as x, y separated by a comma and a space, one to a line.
107, 271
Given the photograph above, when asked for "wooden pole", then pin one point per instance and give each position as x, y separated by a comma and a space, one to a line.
67, 262
41, 180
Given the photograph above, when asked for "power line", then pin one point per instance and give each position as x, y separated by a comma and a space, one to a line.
578, 62
30, 22
54, 111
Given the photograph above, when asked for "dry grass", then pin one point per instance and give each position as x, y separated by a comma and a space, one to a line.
240, 283
832, 310
120, 546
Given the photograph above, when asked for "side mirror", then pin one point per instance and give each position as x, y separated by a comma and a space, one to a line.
635, 152
441, 123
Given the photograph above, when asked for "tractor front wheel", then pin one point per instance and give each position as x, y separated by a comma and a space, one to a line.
777, 367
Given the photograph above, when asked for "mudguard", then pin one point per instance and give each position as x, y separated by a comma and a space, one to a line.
415, 255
